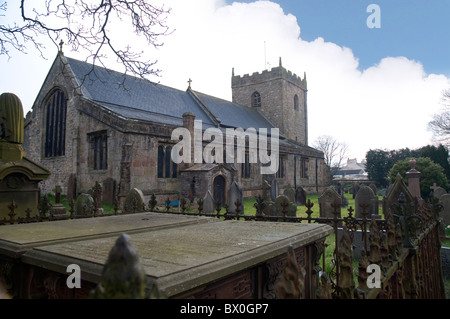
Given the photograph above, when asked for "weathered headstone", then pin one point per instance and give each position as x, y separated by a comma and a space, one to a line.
326, 201
373, 187
300, 196
208, 203
393, 194
282, 203
109, 190
274, 189
134, 202
266, 190
84, 206
438, 192
234, 195
58, 211
98, 190
445, 212
290, 193
366, 197
72, 186
355, 190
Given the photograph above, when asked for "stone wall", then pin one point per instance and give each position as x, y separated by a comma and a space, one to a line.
132, 146
60, 166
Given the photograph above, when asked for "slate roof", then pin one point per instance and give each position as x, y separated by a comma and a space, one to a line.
135, 98
132, 97
234, 115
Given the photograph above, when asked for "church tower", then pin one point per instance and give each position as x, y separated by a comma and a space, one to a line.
279, 95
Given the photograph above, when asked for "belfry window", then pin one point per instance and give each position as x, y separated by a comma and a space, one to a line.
55, 124
256, 99
296, 102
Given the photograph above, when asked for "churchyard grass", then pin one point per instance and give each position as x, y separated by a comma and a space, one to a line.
108, 208
446, 242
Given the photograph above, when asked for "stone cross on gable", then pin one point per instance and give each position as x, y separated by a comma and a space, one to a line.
189, 81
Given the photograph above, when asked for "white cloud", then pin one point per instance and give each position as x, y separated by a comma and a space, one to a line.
385, 106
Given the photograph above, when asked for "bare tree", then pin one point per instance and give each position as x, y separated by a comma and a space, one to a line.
334, 152
86, 25
440, 125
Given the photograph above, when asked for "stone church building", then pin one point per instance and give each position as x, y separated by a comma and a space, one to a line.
91, 124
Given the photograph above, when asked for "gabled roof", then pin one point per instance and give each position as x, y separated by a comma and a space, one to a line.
233, 115
136, 98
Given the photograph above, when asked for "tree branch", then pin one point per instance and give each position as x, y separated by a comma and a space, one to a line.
85, 25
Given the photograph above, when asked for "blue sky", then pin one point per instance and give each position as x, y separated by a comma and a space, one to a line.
368, 88
416, 29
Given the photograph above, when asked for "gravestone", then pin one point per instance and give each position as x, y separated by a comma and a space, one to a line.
72, 186
300, 196
282, 202
438, 192
366, 196
84, 206
266, 194
208, 203
98, 190
373, 187
445, 212
235, 194
109, 190
289, 192
58, 211
355, 190
393, 193
326, 200
134, 202
274, 189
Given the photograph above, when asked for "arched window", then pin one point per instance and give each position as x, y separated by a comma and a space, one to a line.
256, 99
166, 167
167, 161
98, 152
55, 124
161, 161
296, 102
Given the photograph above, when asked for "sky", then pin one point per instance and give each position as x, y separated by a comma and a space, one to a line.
368, 87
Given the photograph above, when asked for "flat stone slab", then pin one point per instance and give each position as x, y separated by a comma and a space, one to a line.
184, 257
16, 239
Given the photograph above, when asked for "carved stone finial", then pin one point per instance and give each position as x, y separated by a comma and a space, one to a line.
123, 276
61, 43
412, 162
291, 283
11, 127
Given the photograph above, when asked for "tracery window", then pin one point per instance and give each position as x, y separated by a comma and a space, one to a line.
55, 124
166, 167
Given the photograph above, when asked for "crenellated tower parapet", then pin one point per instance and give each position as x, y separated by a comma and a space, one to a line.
280, 95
